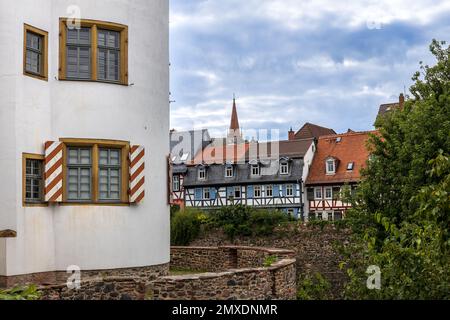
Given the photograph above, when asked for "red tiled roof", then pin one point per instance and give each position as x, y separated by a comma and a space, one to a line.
285, 148
310, 130
351, 148
221, 154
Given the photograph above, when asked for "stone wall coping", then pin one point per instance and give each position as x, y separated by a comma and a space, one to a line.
268, 250
212, 275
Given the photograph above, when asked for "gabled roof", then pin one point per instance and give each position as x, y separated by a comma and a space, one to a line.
214, 154
345, 148
184, 145
388, 107
310, 130
285, 148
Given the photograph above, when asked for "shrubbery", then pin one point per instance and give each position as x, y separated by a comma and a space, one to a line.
20, 293
187, 224
246, 221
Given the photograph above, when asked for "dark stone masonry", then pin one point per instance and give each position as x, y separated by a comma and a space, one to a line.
233, 273
314, 247
237, 270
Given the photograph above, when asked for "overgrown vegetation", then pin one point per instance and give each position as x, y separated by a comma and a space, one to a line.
313, 287
20, 293
270, 260
187, 224
246, 221
401, 212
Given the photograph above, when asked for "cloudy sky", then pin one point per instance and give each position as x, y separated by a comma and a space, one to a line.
294, 61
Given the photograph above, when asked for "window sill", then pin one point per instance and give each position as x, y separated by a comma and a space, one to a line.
95, 81
35, 76
96, 204
37, 204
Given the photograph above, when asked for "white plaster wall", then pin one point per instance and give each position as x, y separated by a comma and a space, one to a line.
2, 257
90, 237
307, 161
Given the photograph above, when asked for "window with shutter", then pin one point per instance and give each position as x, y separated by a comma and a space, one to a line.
102, 172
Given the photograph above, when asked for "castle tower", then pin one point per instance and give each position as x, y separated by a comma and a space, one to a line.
84, 116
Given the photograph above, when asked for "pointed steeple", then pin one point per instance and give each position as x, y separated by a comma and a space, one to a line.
234, 125
234, 134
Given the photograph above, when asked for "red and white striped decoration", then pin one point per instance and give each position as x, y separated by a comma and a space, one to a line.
53, 171
137, 176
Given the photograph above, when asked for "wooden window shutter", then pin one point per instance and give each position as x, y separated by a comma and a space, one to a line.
53, 173
137, 174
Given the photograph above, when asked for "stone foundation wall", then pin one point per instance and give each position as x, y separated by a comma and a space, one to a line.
60, 277
110, 288
235, 273
314, 249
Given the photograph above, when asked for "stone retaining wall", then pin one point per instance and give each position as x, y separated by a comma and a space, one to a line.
314, 249
60, 277
110, 288
234, 273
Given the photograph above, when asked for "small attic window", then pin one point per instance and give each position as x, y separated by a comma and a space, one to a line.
350, 166
174, 158
331, 166
338, 139
184, 157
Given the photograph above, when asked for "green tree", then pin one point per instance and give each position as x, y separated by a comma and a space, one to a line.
401, 212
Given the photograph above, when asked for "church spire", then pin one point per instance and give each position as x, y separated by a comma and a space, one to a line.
234, 125
234, 134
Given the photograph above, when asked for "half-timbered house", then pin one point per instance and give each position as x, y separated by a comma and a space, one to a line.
184, 145
337, 163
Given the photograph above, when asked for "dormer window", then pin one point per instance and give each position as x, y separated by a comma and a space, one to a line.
350, 166
201, 173
229, 172
284, 168
331, 166
255, 170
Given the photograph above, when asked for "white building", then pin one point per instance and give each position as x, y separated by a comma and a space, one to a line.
74, 99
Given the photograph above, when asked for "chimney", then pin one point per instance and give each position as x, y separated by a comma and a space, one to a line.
401, 101
291, 134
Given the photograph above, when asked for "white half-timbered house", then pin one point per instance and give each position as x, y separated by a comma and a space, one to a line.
337, 163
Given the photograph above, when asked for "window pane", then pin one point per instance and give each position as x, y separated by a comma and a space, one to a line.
113, 39
84, 62
33, 62
101, 37
102, 54
113, 65
115, 157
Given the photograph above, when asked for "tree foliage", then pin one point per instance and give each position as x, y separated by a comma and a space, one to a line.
401, 212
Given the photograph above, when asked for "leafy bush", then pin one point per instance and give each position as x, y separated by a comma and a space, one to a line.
246, 221
401, 211
313, 287
185, 226
20, 293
